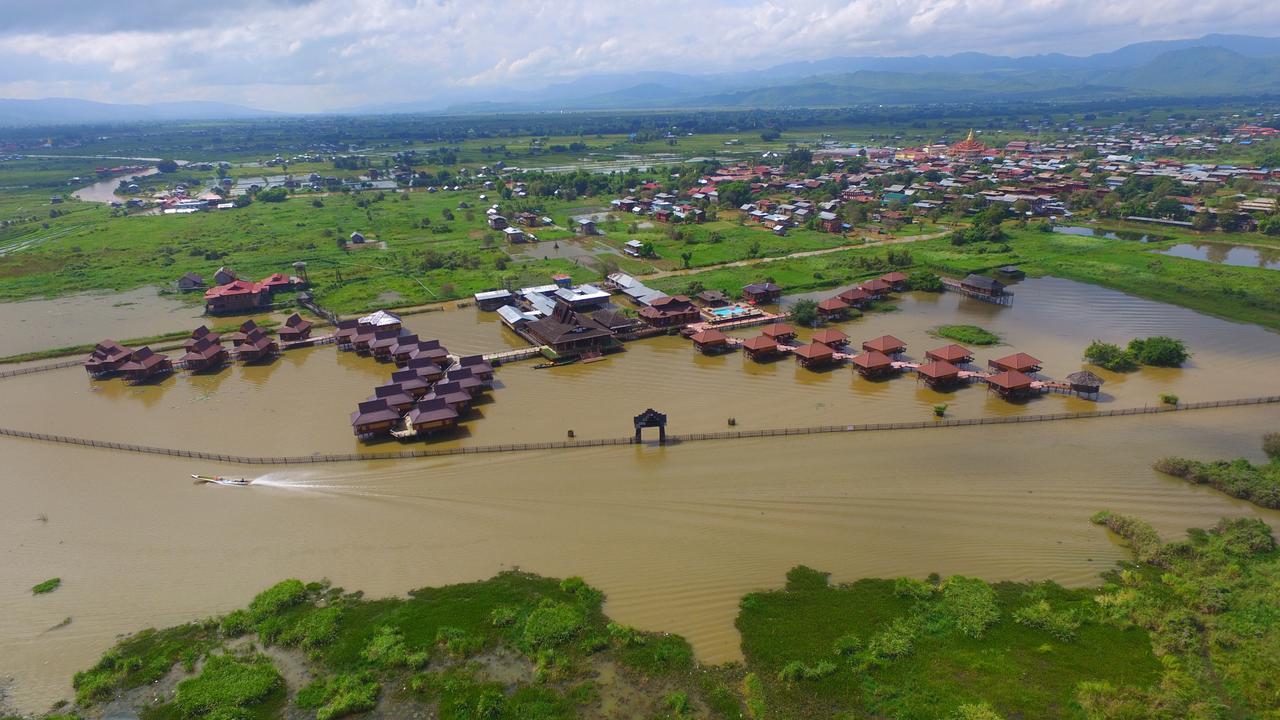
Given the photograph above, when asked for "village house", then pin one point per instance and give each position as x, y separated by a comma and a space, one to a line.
190, 282
237, 296
764, 293
295, 329
670, 311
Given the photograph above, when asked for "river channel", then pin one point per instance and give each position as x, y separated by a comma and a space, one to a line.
673, 535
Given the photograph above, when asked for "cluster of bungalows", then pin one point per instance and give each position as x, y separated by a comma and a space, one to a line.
796, 212
203, 351
838, 306
663, 207
429, 394
569, 319
110, 358
253, 344
231, 295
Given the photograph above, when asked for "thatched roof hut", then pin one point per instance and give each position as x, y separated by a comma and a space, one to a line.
1085, 382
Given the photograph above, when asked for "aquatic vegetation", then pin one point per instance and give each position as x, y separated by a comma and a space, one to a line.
226, 686
47, 586
967, 334
1159, 351
1259, 484
1110, 356
340, 695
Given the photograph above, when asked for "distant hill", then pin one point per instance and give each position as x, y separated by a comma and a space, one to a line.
70, 110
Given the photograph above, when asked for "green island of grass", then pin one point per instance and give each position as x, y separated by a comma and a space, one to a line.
967, 334
1161, 632
47, 586
1259, 484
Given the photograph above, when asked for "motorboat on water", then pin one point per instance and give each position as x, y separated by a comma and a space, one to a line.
220, 480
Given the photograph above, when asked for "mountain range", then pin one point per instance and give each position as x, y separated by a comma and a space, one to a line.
1212, 65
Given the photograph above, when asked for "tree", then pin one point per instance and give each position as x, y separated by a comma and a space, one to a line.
770, 135
1159, 351
805, 312
167, 166
1203, 221
686, 257
734, 194
1110, 356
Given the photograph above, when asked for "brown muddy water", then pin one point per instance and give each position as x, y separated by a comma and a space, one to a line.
34, 325
674, 536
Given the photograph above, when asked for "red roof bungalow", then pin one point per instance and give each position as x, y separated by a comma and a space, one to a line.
779, 332
106, 358
204, 356
670, 311
295, 329
954, 354
887, 344
411, 382
277, 282
760, 348
832, 308
239, 336
374, 417
1010, 384
897, 280
831, 337
1018, 362
873, 364
145, 364
710, 341
938, 373
432, 416
876, 288
257, 347
236, 296
199, 334
854, 297
764, 293
815, 354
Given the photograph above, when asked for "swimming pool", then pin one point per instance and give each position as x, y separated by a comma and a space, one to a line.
732, 311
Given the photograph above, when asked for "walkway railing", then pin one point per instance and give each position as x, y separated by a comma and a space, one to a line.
602, 442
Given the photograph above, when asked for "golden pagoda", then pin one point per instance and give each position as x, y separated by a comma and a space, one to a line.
971, 148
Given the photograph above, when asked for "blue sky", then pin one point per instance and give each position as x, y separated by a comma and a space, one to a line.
308, 55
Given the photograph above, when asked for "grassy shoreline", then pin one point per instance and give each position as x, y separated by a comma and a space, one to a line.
520, 645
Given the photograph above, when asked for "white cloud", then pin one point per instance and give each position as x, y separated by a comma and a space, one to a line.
332, 53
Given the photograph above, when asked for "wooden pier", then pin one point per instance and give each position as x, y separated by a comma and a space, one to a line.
1004, 298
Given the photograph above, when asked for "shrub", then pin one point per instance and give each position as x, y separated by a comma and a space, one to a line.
846, 645
624, 635
967, 334
1109, 356
1142, 538
314, 629
387, 649
906, 587
678, 703
1169, 399
940, 410
340, 695
504, 616
925, 282
1159, 351
236, 623
1271, 445
805, 312
969, 604
47, 586
1244, 536
976, 711
1040, 615
552, 623
802, 577
894, 641
278, 597
457, 642
227, 685
753, 695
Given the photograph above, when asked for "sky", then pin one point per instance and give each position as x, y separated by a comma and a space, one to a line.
316, 55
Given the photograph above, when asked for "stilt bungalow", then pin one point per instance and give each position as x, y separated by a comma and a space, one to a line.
200, 334
832, 338
257, 347
873, 364
403, 349
426, 368
106, 358
1018, 362
238, 337
954, 354
346, 333
432, 415
382, 343
897, 280
876, 288
145, 364
1010, 384
373, 417
765, 293
381, 320
938, 374
411, 382
478, 367
886, 344
452, 394
982, 285
464, 379
832, 309
760, 348
432, 351
814, 355
854, 297
395, 396
1085, 383
295, 329
780, 333
204, 356
710, 341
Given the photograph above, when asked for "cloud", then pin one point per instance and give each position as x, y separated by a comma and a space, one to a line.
310, 55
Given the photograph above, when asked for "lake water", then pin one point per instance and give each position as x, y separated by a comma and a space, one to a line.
1225, 254
1108, 234
79, 319
674, 536
104, 191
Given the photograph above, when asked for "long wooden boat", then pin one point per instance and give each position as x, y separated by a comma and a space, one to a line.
220, 480
556, 363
